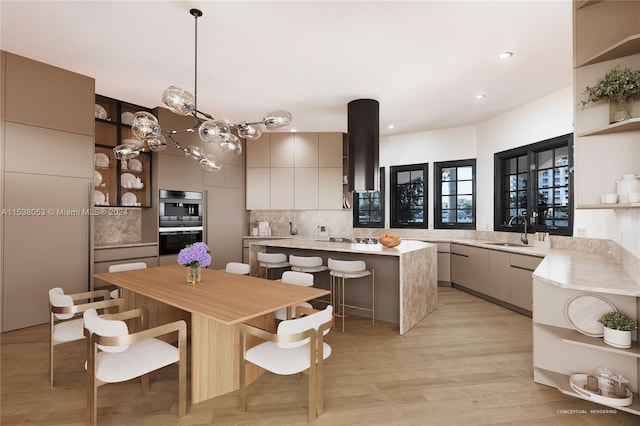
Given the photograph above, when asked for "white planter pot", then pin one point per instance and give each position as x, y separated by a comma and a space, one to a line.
617, 338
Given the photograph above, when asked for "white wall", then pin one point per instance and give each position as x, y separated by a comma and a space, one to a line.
539, 120
426, 147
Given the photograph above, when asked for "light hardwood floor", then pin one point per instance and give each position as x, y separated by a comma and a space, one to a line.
468, 363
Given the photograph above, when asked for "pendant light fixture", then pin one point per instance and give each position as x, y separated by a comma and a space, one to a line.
146, 127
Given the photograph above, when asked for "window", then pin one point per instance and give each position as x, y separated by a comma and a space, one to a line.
455, 195
536, 181
368, 207
408, 196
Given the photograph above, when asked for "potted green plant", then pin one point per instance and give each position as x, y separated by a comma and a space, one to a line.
618, 86
617, 329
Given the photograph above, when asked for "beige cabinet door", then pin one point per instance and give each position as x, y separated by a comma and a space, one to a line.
479, 269
258, 190
521, 288
46, 248
45, 96
179, 173
306, 150
259, 152
306, 188
225, 224
330, 151
282, 188
282, 150
500, 275
460, 265
330, 188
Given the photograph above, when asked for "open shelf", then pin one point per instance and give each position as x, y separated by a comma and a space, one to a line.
624, 126
561, 382
625, 47
601, 206
575, 338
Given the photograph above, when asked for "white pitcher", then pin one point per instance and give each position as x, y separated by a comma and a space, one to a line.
626, 185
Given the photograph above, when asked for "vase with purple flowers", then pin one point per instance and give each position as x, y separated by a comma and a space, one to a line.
195, 257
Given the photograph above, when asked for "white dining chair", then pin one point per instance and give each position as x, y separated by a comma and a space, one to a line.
298, 278
115, 355
238, 268
124, 267
65, 321
298, 346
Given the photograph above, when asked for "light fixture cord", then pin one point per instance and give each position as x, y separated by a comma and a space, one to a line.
195, 77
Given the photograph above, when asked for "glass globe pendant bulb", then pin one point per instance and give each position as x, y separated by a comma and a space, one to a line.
126, 152
214, 131
247, 131
157, 144
178, 100
145, 125
231, 146
209, 163
277, 120
194, 152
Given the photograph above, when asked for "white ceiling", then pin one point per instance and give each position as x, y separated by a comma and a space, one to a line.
423, 60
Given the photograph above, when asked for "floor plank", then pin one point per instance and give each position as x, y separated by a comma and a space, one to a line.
468, 363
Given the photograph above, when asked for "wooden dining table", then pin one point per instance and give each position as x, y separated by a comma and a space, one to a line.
213, 309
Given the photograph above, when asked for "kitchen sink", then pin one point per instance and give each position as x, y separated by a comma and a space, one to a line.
509, 245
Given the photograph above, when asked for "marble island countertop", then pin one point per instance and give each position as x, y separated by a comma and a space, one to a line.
570, 269
323, 244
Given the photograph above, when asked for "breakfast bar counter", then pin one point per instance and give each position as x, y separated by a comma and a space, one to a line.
405, 275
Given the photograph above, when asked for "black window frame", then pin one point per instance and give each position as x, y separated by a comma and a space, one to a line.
356, 205
532, 190
438, 182
394, 170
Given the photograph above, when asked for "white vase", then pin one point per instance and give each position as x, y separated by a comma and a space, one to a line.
617, 338
626, 185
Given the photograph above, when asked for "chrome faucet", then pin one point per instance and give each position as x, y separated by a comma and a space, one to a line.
523, 235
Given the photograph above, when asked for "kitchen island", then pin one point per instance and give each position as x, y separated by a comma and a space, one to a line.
406, 275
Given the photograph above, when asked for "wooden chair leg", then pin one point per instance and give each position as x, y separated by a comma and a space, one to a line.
242, 404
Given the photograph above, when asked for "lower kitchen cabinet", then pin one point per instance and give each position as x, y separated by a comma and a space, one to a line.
500, 275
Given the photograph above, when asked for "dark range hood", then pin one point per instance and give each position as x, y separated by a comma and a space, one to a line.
364, 135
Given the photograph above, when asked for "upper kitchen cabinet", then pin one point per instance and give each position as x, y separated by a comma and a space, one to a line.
125, 183
301, 171
606, 35
46, 96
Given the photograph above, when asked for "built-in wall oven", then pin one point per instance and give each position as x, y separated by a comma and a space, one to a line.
181, 220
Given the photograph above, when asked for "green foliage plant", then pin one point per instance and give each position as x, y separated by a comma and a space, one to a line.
617, 85
617, 321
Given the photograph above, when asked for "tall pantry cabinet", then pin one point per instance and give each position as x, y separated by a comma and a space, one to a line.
46, 175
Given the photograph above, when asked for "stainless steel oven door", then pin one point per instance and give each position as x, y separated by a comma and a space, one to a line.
172, 240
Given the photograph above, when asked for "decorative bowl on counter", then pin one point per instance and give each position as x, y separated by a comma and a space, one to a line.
389, 240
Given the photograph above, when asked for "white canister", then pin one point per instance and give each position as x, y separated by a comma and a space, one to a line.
626, 185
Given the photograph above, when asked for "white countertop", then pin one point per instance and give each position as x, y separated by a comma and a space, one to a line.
323, 244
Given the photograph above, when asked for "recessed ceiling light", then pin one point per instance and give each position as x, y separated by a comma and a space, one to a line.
480, 96
293, 130
505, 55
391, 127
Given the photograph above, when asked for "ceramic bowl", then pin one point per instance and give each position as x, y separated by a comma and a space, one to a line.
634, 197
610, 198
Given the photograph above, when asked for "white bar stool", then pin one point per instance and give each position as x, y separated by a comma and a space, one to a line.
268, 261
308, 264
340, 271
298, 278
